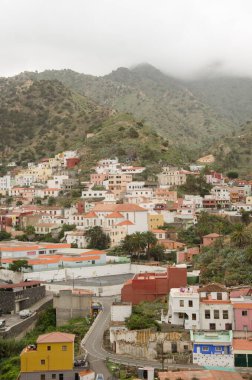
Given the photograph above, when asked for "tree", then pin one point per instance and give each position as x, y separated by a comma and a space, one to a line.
96, 238
4, 235
9, 201
157, 252
232, 174
19, 265
245, 217
134, 244
19, 203
240, 237
51, 201
150, 240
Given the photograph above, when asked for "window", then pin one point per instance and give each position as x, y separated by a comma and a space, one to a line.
61, 376
244, 313
54, 376
205, 348
219, 296
207, 314
218, 349
64, 348
228, 326
216, 314
181, 315
225, 314
194, 317
42, 377
42, 362
245, 328
186, 347
48, 348
181, 303
212, 326
190, 303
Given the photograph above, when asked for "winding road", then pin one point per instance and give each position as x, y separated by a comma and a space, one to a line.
97, 355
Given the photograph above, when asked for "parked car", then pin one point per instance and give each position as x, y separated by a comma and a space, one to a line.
25, 313
2, 323
99, 376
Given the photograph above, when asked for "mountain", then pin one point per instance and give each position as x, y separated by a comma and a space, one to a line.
39, 118
229, 97
235, 152
162, 102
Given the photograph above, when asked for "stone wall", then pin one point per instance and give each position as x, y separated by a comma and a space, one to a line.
27, 296
148, 344
214, 360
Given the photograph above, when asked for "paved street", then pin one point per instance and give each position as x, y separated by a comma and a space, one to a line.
98, 355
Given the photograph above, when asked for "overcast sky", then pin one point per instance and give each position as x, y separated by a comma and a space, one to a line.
182, 37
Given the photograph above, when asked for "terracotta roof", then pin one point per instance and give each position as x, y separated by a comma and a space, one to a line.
93, 252
81, 258
157, 231
213, 235
213, 288
91, 214
102, 207
243, 306
242, 344
55, 245
20, 284
125, 223
236, 293
43, 261
114, 215
56, 337
19, 248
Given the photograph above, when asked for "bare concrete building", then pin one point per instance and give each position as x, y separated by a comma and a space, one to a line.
76, 303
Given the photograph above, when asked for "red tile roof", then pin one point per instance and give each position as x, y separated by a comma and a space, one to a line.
125, 223
20, 284
243, 305
213, 288
56, 337
213, 235
114, 215
91, 214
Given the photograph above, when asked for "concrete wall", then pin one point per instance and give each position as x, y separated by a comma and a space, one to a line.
120, 311
214, 360
89, 272
68, 375
69, 305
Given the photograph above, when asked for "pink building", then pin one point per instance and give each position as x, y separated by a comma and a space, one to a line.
243, 316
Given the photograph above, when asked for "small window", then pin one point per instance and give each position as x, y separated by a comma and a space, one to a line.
225, 314
205, 348
219, 296
244, 313
216, 314
181, 315
194, 317
186, 347
190, 303
218, 349
212, 326
48, 348
181, 303
207, 314
54, 376
42, 362
42, 377
64, 348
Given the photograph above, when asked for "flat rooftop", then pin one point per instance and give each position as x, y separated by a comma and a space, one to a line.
98, 281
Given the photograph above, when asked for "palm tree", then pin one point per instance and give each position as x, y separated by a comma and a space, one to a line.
151, 241
240, 237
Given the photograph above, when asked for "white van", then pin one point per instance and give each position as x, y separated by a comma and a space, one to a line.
25, 313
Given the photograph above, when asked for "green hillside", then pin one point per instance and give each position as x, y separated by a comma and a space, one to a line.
235, 152
162, 102
39, 118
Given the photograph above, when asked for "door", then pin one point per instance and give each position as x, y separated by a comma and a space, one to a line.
240, 360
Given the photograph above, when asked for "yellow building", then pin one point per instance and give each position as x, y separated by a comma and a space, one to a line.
53, 353
155, 221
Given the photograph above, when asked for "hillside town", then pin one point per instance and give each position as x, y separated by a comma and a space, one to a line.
102, 248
